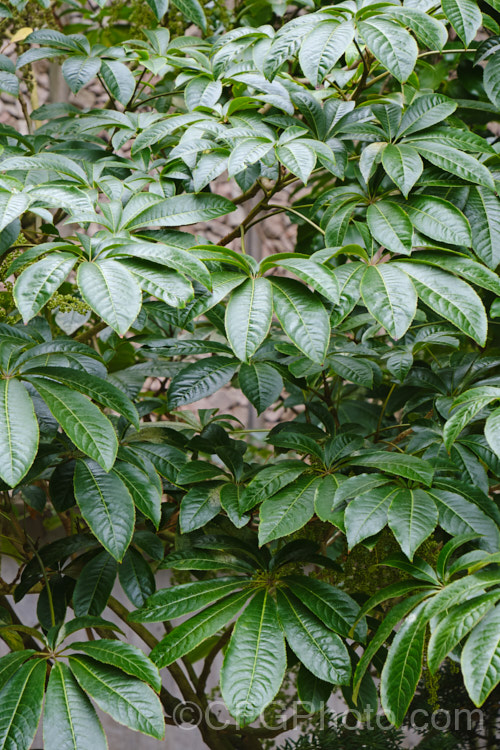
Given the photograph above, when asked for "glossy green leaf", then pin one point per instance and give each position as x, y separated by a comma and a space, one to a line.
111, 291
198, 507
193, 11
288, 510
119, 80
261, 384
457, 162
12, 205
21, 701
126, 699
412, 518
303, 318
37, 283
366, 515
129, 659
313, 693
450, 297
78, 70
492, 431
322, 48
321, 650
70, 721
177, 601
94, 585
483, 212
185, 637
162, 283
269, 481
320, 277
403, 165
80, 419
390, 297
390, 226
459, 516
248, 316
464, 16
106, 505
147, 496
481, 658
402, 669
255, 660
439, 219
136, 577
391, 44
200, 379
18, 431
452, 628
426, 110
400, 464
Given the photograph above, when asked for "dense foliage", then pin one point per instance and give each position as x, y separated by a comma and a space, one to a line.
357, 542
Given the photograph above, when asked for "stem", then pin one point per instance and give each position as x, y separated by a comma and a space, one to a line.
382, 411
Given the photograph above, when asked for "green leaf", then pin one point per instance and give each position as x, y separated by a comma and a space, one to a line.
322, 48
412, 518
457, 162
469, 269
318, 648
464, 16
98, 389
459, 516
44, 160
403, 165
298, 158
384, 630
174, 257
481, 658
426, 110
248, 316
10, 663
483, 212
111, 291
38, 282
193, 11
439, 219
122, 656
331, 605
456, 625
12, 205
402, 669
255, 660
198, 507
390, 297
80, 419
136, 577
391, 44
303, 318
79, 70
269, 481
366, 515
248, 151
449, 297
200, 379
491, 79
146, 496
21, 701
163, 284
429, 30
185, 637
313, 693
321, 278
288, 510
181, 210
94, 585
177, 601
126, 699
492, 431
261, 384
70, 721
400, 464
106, 505
119, 81
159, 7
18, 431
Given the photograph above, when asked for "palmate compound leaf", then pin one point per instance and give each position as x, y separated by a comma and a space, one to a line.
18, 431
320, 649
126, 699
255, 661
70, 721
